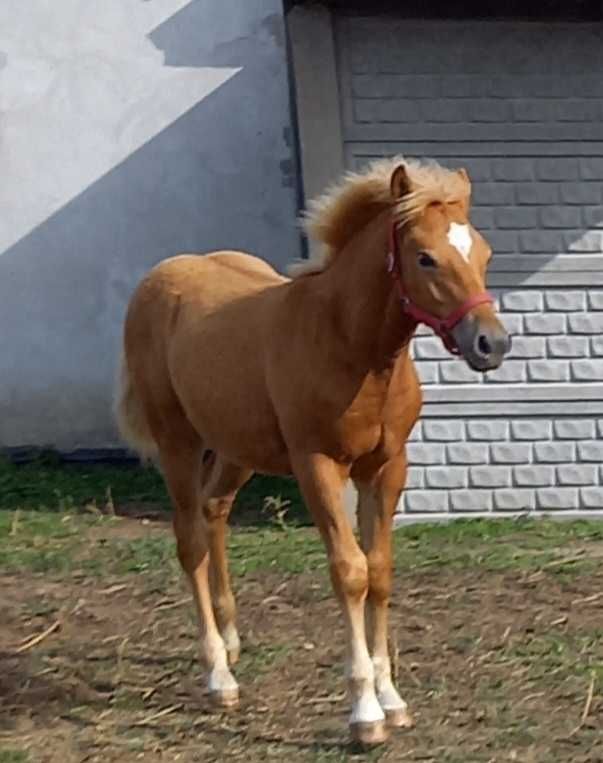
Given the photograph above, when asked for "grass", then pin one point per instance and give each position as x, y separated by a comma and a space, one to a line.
556, 650
263, 658
13, 756
42, 529
47, 484
52, 542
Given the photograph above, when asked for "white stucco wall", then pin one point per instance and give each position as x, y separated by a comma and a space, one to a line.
131, 130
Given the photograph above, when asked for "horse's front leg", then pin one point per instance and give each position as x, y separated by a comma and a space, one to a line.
321, 481
377, 501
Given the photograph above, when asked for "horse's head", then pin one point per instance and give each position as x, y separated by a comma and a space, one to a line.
439, 261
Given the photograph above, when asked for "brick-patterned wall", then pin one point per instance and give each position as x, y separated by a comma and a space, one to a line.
516, 464
505, 465
557, 338
521, 107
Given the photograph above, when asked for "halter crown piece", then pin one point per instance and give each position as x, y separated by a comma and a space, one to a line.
441, 326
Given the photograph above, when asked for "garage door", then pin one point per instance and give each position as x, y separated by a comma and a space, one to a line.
520, 105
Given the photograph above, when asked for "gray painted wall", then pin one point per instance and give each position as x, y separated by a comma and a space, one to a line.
131, 130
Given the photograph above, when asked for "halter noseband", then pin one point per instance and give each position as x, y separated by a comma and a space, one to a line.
441, 326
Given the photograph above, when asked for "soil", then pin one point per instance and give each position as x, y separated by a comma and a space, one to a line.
495, 667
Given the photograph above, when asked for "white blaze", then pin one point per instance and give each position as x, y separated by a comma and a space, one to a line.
459, 237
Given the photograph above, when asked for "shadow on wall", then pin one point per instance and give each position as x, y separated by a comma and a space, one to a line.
220, 175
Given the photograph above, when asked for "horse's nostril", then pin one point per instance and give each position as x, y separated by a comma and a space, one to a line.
483, 345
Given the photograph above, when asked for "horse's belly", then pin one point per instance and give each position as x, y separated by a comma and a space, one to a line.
229, 408
261, 456
255, 447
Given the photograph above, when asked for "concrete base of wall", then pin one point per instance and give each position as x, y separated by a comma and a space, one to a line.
400, 520
405, 518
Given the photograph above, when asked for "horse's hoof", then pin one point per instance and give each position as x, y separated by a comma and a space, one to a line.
225, 699
368, 734
399, 718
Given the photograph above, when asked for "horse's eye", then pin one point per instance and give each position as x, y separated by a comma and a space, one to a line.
426, 260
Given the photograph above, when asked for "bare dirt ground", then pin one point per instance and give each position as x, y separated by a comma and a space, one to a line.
496, 666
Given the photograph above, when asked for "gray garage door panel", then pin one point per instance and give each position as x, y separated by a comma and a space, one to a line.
509, 101
520, 105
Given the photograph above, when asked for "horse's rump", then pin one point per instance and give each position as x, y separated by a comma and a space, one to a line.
194, 331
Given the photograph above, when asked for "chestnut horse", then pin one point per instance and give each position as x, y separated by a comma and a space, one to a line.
230, 368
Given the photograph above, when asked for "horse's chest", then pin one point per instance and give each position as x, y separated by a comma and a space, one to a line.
368, 428
357, 435
379, 420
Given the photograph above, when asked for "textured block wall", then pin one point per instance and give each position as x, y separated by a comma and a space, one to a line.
521, 107
508, 463
546, 463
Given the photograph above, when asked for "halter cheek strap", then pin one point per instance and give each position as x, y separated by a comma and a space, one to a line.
441, 326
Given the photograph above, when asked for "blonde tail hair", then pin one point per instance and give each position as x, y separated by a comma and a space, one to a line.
130, 417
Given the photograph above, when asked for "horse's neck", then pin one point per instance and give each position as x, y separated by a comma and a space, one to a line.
366, 304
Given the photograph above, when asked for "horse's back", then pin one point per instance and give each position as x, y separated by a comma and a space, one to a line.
180, 294
212, 278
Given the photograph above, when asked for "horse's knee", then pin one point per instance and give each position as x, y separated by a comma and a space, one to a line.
215, 509
380, 575
350, 575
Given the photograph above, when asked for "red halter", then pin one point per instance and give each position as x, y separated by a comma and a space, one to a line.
442, 326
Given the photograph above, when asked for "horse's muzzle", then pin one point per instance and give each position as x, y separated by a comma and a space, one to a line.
483, 343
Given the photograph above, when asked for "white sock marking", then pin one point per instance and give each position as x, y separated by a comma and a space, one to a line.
367, 709
361, 681
388, 697
230, 637
221, 679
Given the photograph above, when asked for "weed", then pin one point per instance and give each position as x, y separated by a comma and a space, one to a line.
278, 508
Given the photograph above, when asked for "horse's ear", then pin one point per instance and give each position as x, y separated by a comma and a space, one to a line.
399, 183
462, 172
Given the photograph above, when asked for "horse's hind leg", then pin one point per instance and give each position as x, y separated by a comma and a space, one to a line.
182, 466
219, 492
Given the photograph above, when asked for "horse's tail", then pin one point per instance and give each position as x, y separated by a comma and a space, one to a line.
129, 414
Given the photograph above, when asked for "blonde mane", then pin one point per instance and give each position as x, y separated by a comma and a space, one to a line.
344, 209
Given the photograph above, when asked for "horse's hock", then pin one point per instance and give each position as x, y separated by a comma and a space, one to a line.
525, 121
